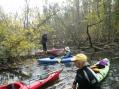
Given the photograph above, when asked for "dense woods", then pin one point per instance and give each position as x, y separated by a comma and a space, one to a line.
74, 23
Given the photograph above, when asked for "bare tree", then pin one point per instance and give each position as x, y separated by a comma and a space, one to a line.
26, 19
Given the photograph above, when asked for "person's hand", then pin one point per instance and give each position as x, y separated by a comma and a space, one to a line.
73, 86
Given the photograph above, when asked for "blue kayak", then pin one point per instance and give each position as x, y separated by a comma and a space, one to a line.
54, 60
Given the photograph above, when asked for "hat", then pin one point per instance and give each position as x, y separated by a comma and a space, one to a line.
67, 48
80, 57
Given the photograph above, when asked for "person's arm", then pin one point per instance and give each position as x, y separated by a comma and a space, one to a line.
96, 85
67, 55
94, 82
74, 85
46, 38
75, 82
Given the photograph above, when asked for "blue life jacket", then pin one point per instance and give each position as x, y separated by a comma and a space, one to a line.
67, 55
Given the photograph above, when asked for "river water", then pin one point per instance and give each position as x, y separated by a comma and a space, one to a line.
33, 70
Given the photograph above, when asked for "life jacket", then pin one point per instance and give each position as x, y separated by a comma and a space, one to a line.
86, 79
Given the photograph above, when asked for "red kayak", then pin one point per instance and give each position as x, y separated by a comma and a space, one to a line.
17, 85
51, 78
37, 84
53, 51
56, 52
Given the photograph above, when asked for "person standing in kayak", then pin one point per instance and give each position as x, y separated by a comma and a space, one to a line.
44, 42
85, 77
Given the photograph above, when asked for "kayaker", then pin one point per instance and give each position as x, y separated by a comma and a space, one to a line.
67, 52
44, 42
85, 77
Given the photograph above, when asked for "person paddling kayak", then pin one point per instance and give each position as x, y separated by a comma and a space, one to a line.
66, 53
85, 78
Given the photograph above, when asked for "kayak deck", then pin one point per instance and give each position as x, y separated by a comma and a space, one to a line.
54, 60
103, 71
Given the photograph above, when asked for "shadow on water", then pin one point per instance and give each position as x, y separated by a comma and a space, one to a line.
67, 75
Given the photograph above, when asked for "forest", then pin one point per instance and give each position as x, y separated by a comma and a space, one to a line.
75, 23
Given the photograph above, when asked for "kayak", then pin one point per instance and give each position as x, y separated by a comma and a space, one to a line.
51, 78
54, 60
56, 52
16, 85
36, 85
102, 72
53, 51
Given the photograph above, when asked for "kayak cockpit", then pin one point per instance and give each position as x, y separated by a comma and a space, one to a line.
17, 85
13, 86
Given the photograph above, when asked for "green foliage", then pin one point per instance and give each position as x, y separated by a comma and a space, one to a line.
16, 41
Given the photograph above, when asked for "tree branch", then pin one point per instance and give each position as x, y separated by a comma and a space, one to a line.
47, 18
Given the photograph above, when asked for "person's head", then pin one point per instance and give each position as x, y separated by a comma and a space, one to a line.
79, 60
45, 32
67, 49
